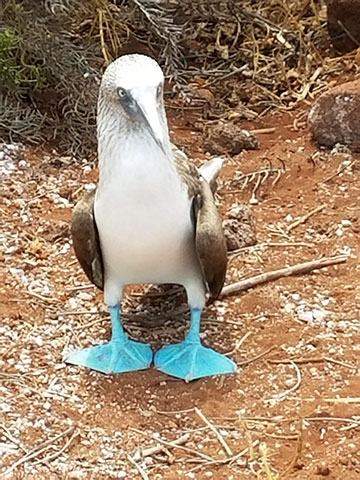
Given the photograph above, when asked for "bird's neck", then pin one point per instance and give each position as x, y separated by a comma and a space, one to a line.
125, 147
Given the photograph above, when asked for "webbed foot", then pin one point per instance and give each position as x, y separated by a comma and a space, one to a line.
119, 355
190, 361
114, 357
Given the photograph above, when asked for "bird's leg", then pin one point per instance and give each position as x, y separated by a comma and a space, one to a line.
190, 359
119, 355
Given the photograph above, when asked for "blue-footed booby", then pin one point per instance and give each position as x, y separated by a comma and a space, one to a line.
152, 219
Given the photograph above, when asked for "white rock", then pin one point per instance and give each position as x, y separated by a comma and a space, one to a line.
289, 307
85, 296
346, 223
305, 316
319, 314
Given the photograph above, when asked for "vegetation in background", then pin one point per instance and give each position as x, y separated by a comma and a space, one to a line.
17, 70
53, 52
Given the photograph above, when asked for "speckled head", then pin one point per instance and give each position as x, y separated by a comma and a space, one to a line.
132, 89
131, 72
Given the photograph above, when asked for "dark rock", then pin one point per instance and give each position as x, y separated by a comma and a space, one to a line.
344, 24
226, 137
323, 470
334, 117
239, 228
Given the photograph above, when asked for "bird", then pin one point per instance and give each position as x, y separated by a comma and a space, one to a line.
151, 219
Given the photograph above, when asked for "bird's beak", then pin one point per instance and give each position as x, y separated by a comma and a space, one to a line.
152, 116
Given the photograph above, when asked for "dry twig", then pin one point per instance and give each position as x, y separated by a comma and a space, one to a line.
147, 452
285, 394
222, 442
175, 445
299, 269
300, 361
34, 452
257, 357
303, 219
142, 472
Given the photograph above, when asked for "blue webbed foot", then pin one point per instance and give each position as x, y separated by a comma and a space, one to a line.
114, 357
119, 355
190, 361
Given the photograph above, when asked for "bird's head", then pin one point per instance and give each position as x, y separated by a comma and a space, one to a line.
132, 87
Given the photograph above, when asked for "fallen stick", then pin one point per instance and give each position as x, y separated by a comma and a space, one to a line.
263, 130
257, 357
300, 361
34, 452
147, 452
218, 435
173, 444
138, 467
303, 219
298, 269
341, 169
230, 460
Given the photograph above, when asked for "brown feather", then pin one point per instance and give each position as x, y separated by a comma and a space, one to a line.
210, 241
209, 236
86, 240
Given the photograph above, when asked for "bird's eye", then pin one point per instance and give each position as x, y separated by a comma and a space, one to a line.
122, 93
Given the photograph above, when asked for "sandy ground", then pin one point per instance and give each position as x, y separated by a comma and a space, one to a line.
297, 418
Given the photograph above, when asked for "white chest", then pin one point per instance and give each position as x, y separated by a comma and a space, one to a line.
142, 211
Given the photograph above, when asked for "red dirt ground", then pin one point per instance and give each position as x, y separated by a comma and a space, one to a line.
297, 420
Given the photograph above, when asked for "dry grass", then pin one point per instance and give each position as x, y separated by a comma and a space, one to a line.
274, 48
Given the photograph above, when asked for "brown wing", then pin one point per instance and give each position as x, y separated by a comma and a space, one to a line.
86, 240
210, 240
209, 237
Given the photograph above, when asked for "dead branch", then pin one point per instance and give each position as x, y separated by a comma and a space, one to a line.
301, 361
36, 451
257, 357
222, 442
147, 452
298, 269
141, 471
303, 219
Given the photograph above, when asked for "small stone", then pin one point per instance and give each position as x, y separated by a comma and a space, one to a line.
346, 223
85, 296
226, 137
319, 314
39, 341
289, 307
305, 316
334, 117
323, 470
239, 228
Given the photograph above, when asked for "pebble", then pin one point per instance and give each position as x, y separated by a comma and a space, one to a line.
305, 316
346, 223
323, 470
38, 341
289, 307
85, 296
